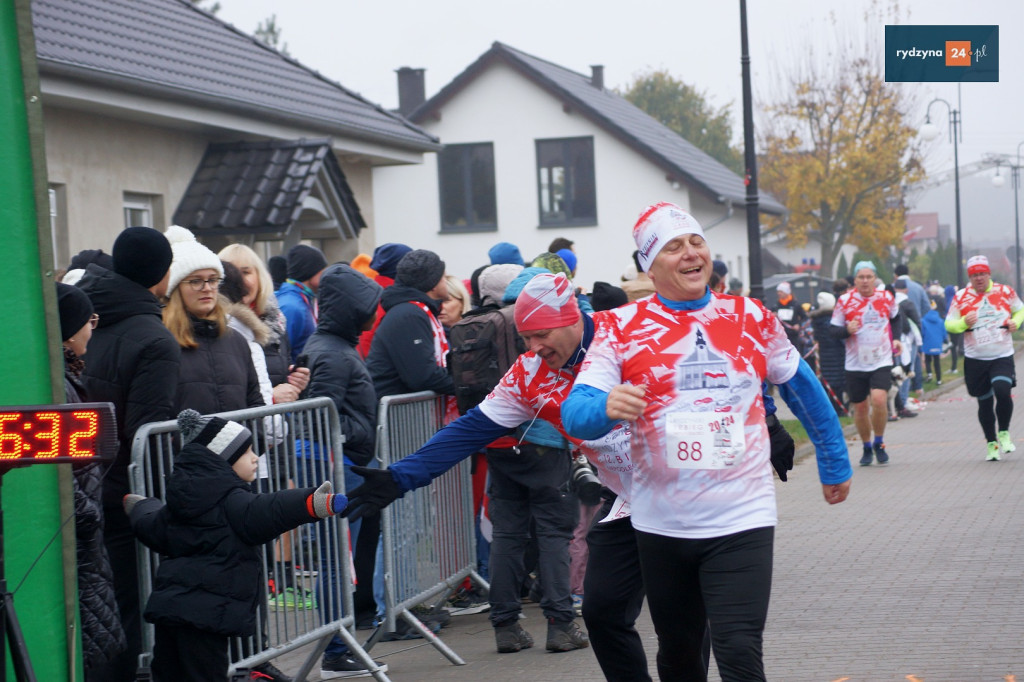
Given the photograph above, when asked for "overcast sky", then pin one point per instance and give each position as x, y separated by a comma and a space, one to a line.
360, 43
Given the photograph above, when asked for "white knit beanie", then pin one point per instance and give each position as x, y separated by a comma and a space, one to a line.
189, 256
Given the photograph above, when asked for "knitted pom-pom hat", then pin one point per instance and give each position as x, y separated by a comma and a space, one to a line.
228, 440
189, 256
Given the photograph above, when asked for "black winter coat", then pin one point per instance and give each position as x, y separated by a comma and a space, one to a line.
348, 300
401, 358
831, 351
102, 634
133, 360
209, 535
218, 376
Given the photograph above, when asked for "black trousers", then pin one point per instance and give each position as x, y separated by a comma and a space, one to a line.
613, 594
724, 583
183, 653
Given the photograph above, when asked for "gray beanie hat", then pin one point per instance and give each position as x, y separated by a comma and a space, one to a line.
495, 279
420, 269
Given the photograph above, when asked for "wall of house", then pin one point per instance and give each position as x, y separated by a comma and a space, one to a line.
503, 107
97, 159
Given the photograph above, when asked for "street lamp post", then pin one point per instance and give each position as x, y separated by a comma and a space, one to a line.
998, 181
1015, 178
929, 132
750, 161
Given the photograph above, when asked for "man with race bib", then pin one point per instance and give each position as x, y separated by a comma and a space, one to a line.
862, 319
684, 367
987, 314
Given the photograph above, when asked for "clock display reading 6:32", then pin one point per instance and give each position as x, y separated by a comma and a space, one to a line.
42, 434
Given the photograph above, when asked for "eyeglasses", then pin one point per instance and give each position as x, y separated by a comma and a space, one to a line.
200, 284
94, 320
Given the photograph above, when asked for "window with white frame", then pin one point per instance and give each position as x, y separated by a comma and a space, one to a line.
138, 210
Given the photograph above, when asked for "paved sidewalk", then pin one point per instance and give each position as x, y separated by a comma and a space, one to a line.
917, 576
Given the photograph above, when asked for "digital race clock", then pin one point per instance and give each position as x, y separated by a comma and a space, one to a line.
53, 434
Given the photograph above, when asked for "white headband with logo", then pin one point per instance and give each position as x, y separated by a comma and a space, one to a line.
657, 226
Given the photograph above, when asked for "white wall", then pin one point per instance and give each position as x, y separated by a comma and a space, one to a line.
503, 107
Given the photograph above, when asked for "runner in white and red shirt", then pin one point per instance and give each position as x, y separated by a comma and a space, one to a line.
685, 367
557, 336
987, 314
862, 318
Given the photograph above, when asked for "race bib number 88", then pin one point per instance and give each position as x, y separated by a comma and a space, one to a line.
703, 440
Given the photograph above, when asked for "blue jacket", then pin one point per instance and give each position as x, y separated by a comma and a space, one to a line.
933, 331
298, 314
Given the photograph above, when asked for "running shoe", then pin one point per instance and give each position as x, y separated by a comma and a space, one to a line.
1006, 441
292, 598
993, 452
880, 454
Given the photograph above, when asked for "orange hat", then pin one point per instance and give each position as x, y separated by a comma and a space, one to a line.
362, 264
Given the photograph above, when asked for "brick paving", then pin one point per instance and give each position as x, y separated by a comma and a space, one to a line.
917, 576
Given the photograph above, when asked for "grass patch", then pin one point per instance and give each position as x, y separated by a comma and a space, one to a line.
796, 429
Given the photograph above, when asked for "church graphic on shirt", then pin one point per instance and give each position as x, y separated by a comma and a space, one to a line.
703, 369
989, 315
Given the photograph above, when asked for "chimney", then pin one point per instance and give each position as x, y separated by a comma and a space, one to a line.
597, 76
411, 89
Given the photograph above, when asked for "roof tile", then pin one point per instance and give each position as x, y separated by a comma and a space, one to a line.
180, 51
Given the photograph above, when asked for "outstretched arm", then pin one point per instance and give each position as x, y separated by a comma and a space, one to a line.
805, 396
468, 434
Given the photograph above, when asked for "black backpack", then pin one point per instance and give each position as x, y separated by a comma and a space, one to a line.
484, 344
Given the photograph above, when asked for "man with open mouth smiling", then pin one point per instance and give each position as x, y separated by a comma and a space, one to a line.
702, 492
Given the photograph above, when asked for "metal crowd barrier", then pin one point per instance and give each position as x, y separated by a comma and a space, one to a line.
295, 441
429, 542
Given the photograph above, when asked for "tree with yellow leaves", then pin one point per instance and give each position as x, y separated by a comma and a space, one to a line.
836, 150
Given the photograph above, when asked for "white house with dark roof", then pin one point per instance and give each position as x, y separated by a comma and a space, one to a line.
535, 151
155, 110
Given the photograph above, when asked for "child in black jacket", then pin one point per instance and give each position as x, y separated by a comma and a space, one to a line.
209, 534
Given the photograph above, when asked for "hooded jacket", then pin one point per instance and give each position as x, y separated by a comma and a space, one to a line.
933, 332
210, 534
401, 359
348, 300
133, 360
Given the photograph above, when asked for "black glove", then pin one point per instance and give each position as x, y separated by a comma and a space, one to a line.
377, 491
782, 446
